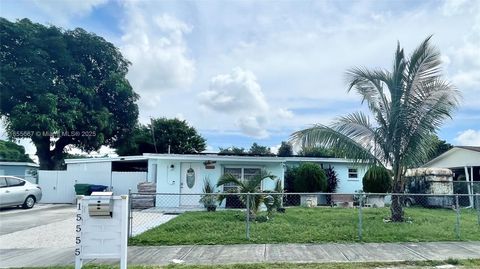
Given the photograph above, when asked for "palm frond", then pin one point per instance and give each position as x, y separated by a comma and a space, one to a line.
228, 178
321, 135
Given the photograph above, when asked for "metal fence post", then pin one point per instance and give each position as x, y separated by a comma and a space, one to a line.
129, 231
478, 208
248, 217
360, 205
457, 224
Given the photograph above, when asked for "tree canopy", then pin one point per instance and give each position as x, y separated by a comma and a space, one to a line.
256, 149
11, 152
285, 150
63, 88
177, 134
408, 104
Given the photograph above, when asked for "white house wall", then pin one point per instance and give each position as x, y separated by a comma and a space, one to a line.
456, 157
98, 173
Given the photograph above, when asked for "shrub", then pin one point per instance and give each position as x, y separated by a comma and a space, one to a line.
332, 182
377, 180
310, 177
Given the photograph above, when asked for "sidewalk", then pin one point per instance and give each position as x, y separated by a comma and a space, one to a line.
257, 253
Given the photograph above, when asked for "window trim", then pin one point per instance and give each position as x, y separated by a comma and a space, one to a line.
242, 173
356, 178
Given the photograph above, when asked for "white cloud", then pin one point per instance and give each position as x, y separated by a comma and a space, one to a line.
468, 138
155, 44
64, 9
237, 91
240, 95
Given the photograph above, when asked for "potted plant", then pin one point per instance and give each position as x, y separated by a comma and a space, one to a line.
310, 178
208, 199
377, 180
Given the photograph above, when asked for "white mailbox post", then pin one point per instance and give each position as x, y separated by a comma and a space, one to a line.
101, 226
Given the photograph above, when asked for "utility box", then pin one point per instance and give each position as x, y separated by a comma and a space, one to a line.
101, 204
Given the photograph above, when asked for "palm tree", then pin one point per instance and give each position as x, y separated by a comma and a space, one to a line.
408, 105
247, 186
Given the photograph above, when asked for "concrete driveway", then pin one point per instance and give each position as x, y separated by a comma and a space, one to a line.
18, 219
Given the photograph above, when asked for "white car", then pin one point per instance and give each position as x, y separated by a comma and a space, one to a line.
15, 191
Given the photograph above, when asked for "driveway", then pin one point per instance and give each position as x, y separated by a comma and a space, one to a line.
18, 219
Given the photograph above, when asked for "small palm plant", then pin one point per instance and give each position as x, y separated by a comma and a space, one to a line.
247, 186
208, 199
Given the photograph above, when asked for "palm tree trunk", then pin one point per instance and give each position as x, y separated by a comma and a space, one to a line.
396, 208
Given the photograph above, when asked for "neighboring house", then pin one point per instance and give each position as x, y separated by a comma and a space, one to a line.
462, 160
170, 172
25, 170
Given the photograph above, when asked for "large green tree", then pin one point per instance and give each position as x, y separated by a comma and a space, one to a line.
11, 152
173, 133
285, 150
63, 88
408, 104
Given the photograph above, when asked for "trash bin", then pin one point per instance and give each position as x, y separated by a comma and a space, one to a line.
97, 188
82, 189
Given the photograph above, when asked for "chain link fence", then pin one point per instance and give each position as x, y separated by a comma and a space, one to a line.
226, 218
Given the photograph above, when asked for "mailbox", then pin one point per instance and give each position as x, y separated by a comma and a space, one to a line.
101, 204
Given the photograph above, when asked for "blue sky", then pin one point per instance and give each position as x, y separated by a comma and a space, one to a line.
243, 72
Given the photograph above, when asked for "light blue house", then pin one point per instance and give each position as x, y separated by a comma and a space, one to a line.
180, 177
25, 170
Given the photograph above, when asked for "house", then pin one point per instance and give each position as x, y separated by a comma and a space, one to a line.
25, 170
184, 174
462, 160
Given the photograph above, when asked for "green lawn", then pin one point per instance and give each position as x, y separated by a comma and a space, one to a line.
312, 225
366, 265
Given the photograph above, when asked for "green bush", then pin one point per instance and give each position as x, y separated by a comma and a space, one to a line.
377, 180
310, 177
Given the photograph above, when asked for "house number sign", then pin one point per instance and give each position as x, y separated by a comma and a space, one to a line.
101, 236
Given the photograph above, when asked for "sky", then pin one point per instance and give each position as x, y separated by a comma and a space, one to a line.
256, 71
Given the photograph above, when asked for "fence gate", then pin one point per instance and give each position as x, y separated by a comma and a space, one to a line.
57, 187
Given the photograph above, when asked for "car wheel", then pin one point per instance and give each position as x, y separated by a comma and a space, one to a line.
29, 202
408, 203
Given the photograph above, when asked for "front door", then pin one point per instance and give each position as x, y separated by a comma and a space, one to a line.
191, 184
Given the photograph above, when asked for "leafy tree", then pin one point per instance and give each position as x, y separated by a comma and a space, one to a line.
63, 88
408, 105
252, 185
177, 134
11, 152
440, 147
256, 149
285, 150
310, 177
319, 152
232, 151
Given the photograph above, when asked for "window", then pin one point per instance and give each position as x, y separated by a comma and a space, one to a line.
3, 182
240, 173
352, 173
236, 172
13, 182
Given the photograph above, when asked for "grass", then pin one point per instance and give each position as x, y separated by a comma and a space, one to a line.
312, 225
417, 264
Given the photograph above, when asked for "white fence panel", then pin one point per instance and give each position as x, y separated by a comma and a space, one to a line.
57, 186
122, 181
